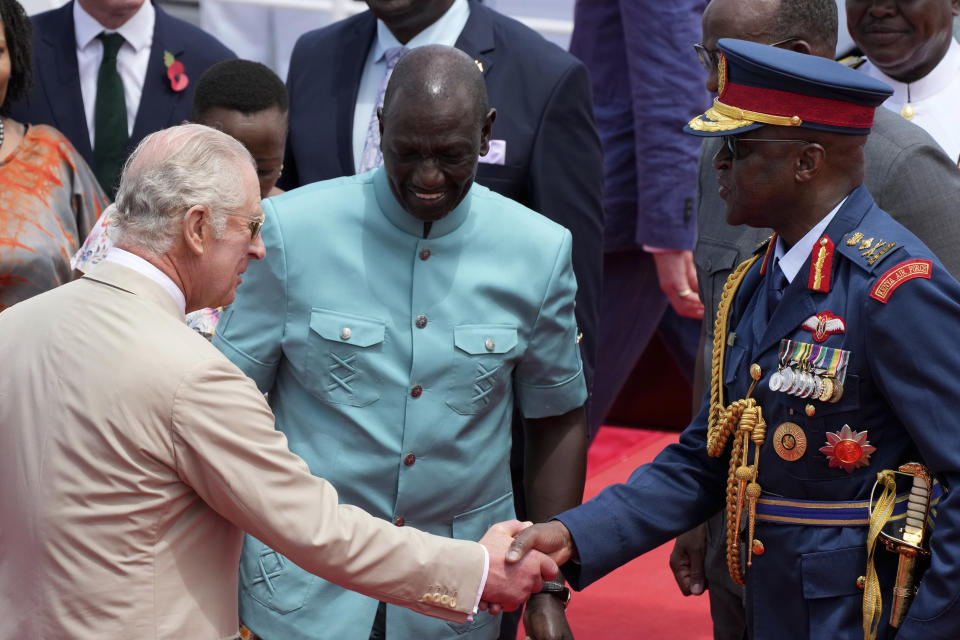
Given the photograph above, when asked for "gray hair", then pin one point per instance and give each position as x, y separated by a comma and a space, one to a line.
171, 171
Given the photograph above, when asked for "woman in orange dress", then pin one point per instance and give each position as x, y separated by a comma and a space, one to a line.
49, 197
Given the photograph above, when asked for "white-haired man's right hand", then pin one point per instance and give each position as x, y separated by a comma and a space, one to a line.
510, 584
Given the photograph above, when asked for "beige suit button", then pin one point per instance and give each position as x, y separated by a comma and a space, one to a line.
345, 333
453, 603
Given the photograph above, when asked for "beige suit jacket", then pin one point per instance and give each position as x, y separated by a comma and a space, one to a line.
132, 454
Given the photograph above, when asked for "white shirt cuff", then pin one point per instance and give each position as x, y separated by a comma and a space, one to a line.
483, 581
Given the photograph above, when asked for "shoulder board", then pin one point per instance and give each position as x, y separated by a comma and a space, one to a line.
853, 62
866, 249
893, 278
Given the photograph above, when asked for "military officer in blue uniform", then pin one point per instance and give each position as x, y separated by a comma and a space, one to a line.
397, 317
834, 364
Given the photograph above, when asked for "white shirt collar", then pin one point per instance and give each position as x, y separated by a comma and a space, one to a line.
144, 268
445, 30
137, 31
939, 78
791, 261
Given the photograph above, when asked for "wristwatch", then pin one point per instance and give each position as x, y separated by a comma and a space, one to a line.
559, 589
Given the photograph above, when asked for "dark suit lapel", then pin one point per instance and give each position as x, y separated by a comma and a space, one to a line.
476, 39
56, 60
355, 47
158, 100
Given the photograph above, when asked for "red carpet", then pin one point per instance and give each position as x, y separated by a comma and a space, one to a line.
640, 599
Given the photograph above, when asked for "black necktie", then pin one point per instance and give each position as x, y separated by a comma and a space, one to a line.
778, 282
109, 117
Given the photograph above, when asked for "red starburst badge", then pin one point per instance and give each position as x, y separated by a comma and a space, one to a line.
848, 449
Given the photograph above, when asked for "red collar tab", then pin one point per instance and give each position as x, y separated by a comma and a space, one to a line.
766, 257
821, 264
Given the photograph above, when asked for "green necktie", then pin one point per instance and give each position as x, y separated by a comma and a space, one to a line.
110, 117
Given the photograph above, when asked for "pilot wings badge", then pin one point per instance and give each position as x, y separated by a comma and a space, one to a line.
823, 325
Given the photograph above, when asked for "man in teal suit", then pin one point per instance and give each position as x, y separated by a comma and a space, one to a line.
397, 317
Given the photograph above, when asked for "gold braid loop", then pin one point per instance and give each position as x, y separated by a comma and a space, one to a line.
740, 416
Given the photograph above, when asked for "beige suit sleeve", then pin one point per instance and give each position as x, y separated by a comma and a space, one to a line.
228, 450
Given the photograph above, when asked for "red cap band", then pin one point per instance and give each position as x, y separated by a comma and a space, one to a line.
809, 108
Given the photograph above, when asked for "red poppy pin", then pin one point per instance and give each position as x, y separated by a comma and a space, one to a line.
175, 72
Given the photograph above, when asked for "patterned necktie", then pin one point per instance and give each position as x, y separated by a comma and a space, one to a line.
371, 156
109, 117
777, 284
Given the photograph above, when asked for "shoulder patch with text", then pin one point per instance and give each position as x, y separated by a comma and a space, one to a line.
896, 276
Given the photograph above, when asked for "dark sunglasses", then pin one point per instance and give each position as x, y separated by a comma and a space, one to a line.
733, 143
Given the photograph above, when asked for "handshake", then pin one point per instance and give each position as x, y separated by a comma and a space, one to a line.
522, 557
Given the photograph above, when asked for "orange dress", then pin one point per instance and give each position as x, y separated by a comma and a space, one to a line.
49, 200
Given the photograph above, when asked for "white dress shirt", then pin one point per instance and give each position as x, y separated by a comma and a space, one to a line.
445, 31
144, 268
934, 99
791, 260
132, 58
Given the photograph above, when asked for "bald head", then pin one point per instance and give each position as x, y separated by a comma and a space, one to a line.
806, 26
434, 126
438, 73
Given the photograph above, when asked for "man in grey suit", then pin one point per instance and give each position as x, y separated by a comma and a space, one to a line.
908, 175
135, 454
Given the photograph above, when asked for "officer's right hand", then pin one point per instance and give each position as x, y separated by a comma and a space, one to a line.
686, 561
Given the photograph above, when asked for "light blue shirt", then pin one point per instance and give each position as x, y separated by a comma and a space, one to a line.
446, 30
392, 363
792, 259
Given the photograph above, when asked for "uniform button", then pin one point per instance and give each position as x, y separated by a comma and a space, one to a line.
436, 597
399, 521
453, 603
489, 344
810, 410
409, 459
416, 391
421, 321
427, 597
345, 333
444, 599
424, 254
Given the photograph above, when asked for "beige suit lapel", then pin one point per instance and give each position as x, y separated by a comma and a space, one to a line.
126, 279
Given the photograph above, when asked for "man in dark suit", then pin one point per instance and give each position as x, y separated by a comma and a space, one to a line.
545, 152
644, 92
150, 73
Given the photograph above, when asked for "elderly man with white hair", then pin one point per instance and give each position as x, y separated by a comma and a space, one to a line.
134, 453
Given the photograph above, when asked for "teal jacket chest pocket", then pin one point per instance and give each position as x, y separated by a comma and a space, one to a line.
481, 366
343, 349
